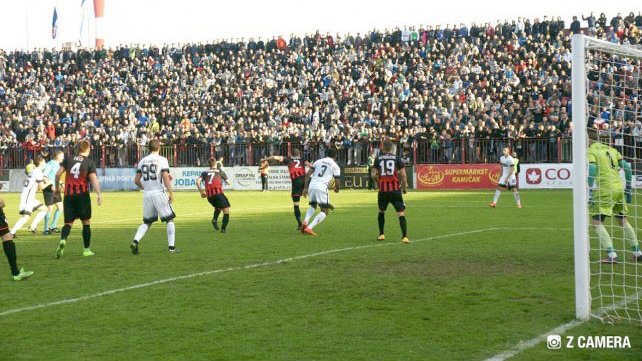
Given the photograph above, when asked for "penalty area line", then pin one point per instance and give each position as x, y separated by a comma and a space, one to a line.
224, 270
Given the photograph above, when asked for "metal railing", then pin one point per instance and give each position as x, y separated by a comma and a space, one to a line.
461, 151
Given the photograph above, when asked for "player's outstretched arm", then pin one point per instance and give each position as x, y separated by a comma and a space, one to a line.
403, 177
59, 173
95, 184
168, 185
628, 177
199, 181
308, 174
277, 158
137, 180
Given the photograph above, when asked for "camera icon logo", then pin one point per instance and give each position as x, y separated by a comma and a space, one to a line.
554, 342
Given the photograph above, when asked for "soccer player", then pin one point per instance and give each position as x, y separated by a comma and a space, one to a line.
213, 191
9, 248
81, 171
508, 179
296, 167
152, 176
52, 198
28, 203
317, 182
264, 168
389, 172
608, 195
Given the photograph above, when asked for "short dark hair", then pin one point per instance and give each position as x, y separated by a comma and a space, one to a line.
212, 162
387, 146
154, 145
84, 146
39, 160
332, 153
296, 152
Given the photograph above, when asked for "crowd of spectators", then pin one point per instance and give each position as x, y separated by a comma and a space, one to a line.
436, 85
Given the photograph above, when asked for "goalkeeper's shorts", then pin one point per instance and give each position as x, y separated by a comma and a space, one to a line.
608, 204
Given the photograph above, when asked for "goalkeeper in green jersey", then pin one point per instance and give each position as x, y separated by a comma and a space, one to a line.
608, 196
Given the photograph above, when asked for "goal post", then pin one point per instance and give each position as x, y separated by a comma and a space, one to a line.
580, 192
606, 85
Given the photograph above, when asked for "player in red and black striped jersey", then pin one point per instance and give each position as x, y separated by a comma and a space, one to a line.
389, 171
296, 166
213, 191
81, 171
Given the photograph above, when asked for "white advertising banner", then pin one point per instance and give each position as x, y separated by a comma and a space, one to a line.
543, 175
248, 178
185, 178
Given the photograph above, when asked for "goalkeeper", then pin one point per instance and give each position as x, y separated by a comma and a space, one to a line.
608, 196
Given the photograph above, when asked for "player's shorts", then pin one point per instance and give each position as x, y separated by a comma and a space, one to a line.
51, 197
157, 205
508, 183
30, 206
395, 198
219, 201
320, 197
608, 204
4, 227
297, 188
77, 206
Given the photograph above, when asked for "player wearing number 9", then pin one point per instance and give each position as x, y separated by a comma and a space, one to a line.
81, 171
608, 196
390, 173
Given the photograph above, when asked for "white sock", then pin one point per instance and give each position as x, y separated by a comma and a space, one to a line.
318, 219
171, 234
39, 217
516, 194
309, 213
497, 194
21, 222
140, 233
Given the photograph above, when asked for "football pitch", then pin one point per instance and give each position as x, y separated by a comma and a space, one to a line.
474, 283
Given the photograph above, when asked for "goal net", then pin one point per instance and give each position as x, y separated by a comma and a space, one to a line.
606, 105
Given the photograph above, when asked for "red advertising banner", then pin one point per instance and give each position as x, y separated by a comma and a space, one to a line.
458, 176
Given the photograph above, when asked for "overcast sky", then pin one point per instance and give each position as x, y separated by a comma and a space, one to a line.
27, 23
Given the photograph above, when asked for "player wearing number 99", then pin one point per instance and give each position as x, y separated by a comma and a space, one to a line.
389, 172
152, 176
608, 196
317, 182
80, 170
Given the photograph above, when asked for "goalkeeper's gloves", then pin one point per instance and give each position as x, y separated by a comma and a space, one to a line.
590, 200
628, 195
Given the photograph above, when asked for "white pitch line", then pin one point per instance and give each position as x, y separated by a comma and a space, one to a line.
222, 270
559, 330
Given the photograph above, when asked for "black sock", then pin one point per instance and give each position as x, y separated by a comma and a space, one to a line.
66, 229
297, 214
382, 222
86, 235
404, 227
10, 252
226, 219
217, 212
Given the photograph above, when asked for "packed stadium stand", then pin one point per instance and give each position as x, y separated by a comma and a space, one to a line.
446, 95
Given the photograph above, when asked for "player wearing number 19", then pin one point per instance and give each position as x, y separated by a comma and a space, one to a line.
80, 170
390, 174
152, 176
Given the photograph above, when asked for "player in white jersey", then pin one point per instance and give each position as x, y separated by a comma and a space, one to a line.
28, 203
508, 179
317, 182
152, 176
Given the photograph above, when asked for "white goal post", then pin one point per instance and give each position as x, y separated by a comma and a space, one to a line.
597, 299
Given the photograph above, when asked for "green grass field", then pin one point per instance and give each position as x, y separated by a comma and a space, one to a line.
473, 283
